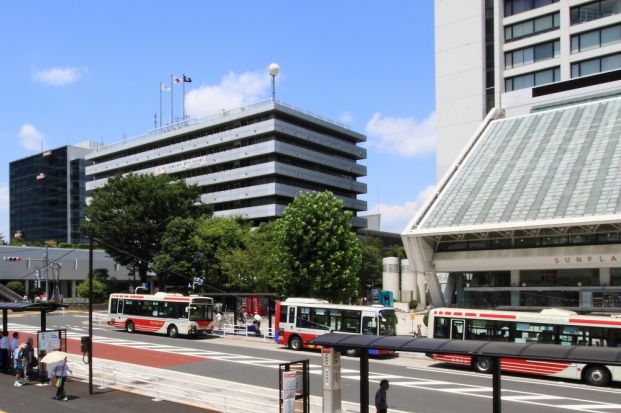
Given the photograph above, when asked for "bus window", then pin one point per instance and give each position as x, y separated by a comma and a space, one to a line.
369, 326
351, 321
283, 313
441, 329
457, 329
303, 319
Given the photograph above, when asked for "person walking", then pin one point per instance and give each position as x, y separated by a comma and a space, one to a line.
61, 372
14, 343
381, 402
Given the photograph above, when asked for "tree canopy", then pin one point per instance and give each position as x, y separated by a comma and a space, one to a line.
129, 215
317, 251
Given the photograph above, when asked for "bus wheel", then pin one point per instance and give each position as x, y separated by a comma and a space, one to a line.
129, 327
173, 331
295, 343
482, 365
597, 376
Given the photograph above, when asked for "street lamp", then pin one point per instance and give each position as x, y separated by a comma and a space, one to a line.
274, 69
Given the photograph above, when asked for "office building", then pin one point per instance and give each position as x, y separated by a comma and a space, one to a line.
47, 194
527, 214
491, 53
249, 162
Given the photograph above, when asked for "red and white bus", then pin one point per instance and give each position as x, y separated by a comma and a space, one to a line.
551, 326
299, 320
164, 313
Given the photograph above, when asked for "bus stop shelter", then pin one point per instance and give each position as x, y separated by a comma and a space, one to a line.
494, 350
43, 308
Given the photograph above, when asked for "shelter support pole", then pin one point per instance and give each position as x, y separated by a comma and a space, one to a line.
364, 380
5, 321
496, 385
43, 320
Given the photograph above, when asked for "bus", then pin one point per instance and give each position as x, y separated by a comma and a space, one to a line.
299, 320
165, 313
551, 326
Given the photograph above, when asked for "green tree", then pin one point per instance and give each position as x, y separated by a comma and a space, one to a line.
217, 238
180, 258
251, 267
16, 286
129, 215
371, 269
396, 251
100, 289
317, 250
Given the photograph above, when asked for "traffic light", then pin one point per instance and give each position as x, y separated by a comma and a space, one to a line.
13, 259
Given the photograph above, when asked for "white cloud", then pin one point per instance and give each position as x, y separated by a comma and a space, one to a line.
59, 76
232, 92
394, 218
30, 138
405, 136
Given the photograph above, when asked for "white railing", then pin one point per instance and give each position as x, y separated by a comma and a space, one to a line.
179, 390
246, 330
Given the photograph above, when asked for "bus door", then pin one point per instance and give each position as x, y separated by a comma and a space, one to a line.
119, 309
457, 329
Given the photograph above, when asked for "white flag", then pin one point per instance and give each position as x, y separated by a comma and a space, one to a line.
164, 88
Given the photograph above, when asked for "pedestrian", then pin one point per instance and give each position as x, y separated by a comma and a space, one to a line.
419, 332
257, 323
29, 359
5, 352
218, 320
18, 357
381, 403
59, 377
14, 344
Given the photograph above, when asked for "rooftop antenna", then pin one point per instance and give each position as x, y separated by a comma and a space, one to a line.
274, 69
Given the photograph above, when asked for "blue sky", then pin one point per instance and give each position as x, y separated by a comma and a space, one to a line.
87, 70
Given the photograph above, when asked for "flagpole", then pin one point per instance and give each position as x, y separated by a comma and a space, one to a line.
183, 91
160, 104
172, 93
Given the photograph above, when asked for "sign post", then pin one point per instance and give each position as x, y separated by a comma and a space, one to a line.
331, 369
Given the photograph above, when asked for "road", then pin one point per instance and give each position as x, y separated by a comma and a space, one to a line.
417, 384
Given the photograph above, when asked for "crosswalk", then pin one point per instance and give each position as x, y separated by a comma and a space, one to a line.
530, 398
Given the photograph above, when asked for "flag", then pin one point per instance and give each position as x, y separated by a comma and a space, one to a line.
187, 79
164, 88
176, 79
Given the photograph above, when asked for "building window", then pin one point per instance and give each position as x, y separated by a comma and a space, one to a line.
551, 278
595, 10
598, 65
596, 39
532, 27
533, 54
615, 276
539, 78
520, 6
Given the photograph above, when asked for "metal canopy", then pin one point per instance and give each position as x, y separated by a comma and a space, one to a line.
578, 354
26, 306
494, 350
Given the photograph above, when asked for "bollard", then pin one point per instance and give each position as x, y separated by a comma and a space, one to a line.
157, 390
103, 377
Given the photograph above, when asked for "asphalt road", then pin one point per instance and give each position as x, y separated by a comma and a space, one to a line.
417, 384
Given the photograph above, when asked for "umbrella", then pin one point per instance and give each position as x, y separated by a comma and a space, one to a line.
54, 357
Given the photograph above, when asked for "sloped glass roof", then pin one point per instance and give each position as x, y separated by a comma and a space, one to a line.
560, 163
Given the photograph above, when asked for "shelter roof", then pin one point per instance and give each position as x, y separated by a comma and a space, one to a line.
27, 306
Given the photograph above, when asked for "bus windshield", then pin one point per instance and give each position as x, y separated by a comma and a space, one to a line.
388, 324
200, 312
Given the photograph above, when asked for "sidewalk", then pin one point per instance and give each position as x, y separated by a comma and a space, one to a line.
32, 397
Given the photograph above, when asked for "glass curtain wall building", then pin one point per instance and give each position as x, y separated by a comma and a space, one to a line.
48, 193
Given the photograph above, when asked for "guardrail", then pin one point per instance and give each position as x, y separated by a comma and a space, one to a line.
180, 390
246, 330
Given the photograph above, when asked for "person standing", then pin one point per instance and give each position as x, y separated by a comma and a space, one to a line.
14, 343
28, 359
381, 402
257, 323
5, 352
18, 357
61, 372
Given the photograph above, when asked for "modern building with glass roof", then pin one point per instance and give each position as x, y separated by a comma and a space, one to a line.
529, 215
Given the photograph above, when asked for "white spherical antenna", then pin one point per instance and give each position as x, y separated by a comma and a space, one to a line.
274, 69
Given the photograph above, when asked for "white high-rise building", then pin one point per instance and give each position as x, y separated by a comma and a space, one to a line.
495, 53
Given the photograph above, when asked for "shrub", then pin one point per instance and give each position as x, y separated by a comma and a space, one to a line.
16, 286
413, 304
